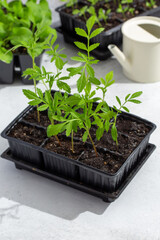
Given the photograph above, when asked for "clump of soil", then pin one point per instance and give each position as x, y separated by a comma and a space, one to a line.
28, 134
106, 162
65, 147
131, 127
125, 145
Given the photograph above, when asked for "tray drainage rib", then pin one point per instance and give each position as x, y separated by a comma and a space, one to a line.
107, 197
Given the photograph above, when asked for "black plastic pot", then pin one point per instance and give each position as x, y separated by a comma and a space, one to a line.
6, 73
75, 169
14, 70
112, 36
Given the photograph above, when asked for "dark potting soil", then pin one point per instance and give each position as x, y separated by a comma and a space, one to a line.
106, 162
125, 146
28, 134
31, 117
65, 147
131, 127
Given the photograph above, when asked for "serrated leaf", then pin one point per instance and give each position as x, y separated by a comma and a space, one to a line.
29, 94
74, 70
136, 94
43, 107
107, 125
96, 32
53, 130
90, 70
63, 86
68, 129
114, 133
81, 82
94, 81
118, 100
85, 136
81, 45
81, 32
35, 102
99, 133
78, 59
92, 94
59, 63
40, 93
93, 46
98, 121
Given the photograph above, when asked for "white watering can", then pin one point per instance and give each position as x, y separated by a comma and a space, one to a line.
140, 58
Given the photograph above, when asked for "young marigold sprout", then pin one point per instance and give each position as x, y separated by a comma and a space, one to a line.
81, 12
70, 3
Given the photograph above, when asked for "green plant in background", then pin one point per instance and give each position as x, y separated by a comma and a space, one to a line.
91, 10
126, 6
102, 14
81, 110
93, 2
122, 10
48, 79
150, 3
70, 3
81, 12
19, 23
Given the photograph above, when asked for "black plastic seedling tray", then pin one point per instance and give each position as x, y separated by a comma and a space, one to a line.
75, 169
105, 196
112, 36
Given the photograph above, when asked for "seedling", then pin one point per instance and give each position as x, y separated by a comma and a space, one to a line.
81, 12
70, 3
91, 10
150, 4
81, 110
93, 2
47, 101
122, 10
102, 14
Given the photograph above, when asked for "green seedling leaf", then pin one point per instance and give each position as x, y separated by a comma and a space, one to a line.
118, 100
53, 130
126, 109
43, 107
90, 70
127, 97
114, 132
96, 32
81, 32
29, 94
35, 102
81, 45
136, 94
73, 71
90, 22
85, 136
93, 46
40, 93
135, 101
94, 81
78, 59
81, 82
99, 133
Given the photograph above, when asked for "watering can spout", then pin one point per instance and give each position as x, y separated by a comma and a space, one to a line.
120, 56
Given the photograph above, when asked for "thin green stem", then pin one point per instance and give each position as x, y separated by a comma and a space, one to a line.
35, 89
92, 143
72, 142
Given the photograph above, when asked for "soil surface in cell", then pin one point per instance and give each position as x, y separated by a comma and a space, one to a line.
132, 128
28, 134
31, 117
105, 161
